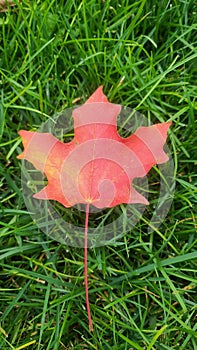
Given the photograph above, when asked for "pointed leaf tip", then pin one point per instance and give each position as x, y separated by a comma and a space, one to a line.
163, 128
26, 136
97, 96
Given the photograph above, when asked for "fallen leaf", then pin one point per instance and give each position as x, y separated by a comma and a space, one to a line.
98, 166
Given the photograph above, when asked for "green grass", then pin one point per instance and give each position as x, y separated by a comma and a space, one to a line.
143, 290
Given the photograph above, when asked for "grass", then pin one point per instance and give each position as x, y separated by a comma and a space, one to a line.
142, 289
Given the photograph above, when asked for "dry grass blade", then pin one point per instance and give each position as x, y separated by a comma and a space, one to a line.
4, 4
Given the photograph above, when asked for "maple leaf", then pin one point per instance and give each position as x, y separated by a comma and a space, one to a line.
98, 166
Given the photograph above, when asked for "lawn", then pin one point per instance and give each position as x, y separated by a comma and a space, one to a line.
142, 288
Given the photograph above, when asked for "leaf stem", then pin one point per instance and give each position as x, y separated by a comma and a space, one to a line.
86, 267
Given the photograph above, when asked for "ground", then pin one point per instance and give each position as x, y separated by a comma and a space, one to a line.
142, 289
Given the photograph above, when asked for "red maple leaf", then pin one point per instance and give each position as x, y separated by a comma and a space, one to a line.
98, 166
